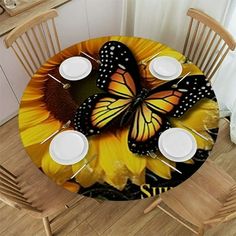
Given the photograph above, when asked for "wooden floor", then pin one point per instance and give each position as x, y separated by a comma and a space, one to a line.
107, 218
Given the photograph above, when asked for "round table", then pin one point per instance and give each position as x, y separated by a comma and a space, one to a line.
116, 173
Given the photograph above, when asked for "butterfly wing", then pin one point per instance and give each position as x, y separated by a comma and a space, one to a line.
151, 117
163, 101
98, 112
121, 84
193, 88
197, 88
117, 58
149, 121
119, 77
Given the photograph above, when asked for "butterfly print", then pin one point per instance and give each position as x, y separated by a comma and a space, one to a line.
125, 102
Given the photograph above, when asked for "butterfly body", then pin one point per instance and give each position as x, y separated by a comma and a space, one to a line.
140, 97
136, 102
144, 112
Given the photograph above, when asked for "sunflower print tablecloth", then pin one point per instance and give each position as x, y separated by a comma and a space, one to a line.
116, 173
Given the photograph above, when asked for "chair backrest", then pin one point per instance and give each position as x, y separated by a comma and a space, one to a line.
11, 191
227, 211
35, 41
207, 42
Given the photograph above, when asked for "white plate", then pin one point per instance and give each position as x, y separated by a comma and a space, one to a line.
165, 68
75, 68
68, 147
177, 144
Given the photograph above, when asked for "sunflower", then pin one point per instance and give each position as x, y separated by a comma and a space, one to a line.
46, 106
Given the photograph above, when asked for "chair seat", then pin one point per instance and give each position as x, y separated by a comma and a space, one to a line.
213, 180
195, 205
41, 191
200, 197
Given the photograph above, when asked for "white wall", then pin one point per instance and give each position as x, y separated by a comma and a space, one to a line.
104, 17
78, 20
8, 101
82, 19
166, 21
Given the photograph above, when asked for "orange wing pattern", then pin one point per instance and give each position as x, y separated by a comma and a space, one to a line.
145, 124
163, 101
148, 123
122, 84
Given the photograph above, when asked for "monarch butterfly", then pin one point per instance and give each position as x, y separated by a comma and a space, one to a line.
126, 100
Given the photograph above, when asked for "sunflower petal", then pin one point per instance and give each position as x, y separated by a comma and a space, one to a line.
133, 162
205, 143
92, 173
31, 116
38, 133
159, 168
191, 161
36, 152
138, 179
111, 161
72, 187
58, 173
204, 114
32, 94
89, 175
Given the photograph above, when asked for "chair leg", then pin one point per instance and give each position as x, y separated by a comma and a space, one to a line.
47, 226
152, 205
201, 231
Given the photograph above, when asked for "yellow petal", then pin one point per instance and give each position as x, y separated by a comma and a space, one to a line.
159, 168
39, 78
36, 134
205, 143
134, 163
111, 161
89, 175
31, 94
189, 161
58, 173
138, 179
94, 45
201, 142
36, 152
204, 114
192, 68
118, 183
92, 173
31, 116
34, 103
72, 187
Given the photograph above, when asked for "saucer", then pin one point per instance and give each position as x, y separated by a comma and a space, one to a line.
165, 68
177, 144
68, 147
75, 68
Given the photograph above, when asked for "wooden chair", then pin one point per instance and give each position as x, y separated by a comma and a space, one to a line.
35, 41
207, 42
206, 199
34, 193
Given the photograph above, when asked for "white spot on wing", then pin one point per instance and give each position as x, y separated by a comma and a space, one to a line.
121, 66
